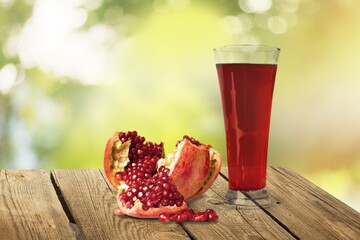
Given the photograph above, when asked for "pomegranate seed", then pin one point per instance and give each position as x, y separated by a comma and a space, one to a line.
213, 217
164, 217
210, 211
201, 216
189, 214
176, 195
158, 189
164, 193
149, 203
153, 160
173, 188
164, 202
129, 194
118, 212
159, 182
129, 204
119, 175
166, 186
179, 218
145, 188
179, 203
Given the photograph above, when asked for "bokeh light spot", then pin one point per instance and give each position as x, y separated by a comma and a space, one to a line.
255, 6
277, 24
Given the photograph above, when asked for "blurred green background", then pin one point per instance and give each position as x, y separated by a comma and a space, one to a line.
73, 72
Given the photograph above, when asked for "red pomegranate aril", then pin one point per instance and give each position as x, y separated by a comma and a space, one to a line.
179, 218
176, 195
158, 189
213, 217
154, 196
166, 185
153, 160
165, 178
173, 188
118, 212
145, 188
164, 217
164, 193
190, 214
129, 204
164, 202
119, 175
201, 216
178, 203
210, 211
149, 203
128, 194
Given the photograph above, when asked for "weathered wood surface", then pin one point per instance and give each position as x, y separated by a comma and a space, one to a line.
79, 204
92, 202
29, 207
307, 211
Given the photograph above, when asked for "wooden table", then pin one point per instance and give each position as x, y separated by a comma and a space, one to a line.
79, 204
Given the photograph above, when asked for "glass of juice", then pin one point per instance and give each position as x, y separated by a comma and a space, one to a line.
246, 75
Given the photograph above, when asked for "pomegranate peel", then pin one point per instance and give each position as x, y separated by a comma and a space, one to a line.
115, 158
138, 212
188, 163
214, 169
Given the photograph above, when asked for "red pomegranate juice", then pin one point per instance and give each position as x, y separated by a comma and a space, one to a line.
246, 91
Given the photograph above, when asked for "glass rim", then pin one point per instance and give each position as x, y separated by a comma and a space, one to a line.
247, 47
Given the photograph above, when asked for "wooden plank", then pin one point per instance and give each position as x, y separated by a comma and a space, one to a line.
306, 210
233, 223
29, 207
91, 202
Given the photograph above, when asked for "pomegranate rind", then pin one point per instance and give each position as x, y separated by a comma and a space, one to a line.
138, 212
189, 166
214, 170
115, 158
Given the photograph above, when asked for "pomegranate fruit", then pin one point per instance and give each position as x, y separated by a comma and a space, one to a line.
153, 186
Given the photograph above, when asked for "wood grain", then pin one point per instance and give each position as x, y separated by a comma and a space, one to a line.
92, 202
310, 211
306, 210
233, 223
29, 207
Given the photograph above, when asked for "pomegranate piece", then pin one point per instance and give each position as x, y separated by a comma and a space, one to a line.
152, 186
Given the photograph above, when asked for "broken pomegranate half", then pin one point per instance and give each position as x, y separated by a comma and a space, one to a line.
150, 185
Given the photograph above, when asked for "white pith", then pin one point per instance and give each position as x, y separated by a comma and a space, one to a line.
169, 161
120, 155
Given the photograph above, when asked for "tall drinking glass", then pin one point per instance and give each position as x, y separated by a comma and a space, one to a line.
246, 75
